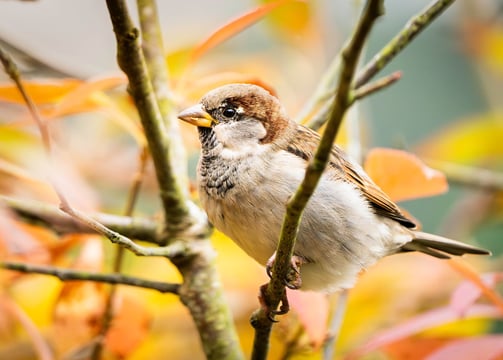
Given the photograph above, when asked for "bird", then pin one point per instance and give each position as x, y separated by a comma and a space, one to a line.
254, 157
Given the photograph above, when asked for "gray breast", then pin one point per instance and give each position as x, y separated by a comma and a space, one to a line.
217, 177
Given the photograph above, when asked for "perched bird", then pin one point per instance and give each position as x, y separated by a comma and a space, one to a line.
254, 157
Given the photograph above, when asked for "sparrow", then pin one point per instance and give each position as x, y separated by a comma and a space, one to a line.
253, 158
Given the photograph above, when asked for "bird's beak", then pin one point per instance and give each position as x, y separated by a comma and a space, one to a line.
197, 116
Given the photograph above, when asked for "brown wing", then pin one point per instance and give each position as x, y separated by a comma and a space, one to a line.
340, 167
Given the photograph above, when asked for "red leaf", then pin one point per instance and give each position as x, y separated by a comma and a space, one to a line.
472, 275
423, 322
312, 311
480, 348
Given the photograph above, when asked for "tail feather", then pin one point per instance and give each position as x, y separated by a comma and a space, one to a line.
440, 247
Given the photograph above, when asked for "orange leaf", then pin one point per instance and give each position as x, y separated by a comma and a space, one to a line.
41, 92
233, 27
414, 348
83, 92
80, 305
403, 175
312, 311
129, 327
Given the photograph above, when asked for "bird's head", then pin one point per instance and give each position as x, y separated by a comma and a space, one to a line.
239, 115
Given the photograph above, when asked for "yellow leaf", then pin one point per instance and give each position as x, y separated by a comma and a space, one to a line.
292, 20
177, 61
474, 140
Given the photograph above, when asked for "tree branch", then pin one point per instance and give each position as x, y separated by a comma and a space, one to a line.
155, 59
53, 218
132, 62
201, 291
72, 275
276, 289
469, 176
414, 27
321, 116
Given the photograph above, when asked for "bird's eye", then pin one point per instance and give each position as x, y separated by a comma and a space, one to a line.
229, 112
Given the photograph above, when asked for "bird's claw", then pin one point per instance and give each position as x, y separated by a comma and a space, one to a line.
271, 313
292, 280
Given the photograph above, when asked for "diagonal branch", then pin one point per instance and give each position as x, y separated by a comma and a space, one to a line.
413, 28
51, 217
276, 289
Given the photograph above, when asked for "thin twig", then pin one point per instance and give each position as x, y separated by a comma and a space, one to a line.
13, 72
324, 92
414, 27
116, 238
72, 275
321, 116
369, 89
50, 216
469, 176
276, 289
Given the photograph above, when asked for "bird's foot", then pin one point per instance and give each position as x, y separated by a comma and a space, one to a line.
271, 313
292, 279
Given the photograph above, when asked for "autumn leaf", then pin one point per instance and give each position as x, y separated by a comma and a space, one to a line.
130, 325
312, 309
80, 305
233, 28
474, 140
40, 91
423, 322
481, 285
402, 175
480, 347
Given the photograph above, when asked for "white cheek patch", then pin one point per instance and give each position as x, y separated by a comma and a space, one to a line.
242, 136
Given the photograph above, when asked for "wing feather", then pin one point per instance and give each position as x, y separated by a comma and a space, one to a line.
340, 167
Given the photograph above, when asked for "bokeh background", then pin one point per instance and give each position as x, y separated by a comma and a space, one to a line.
446, 107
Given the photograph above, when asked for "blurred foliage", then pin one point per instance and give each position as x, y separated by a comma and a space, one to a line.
406, 306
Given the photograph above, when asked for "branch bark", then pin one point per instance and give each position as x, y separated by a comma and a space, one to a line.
73, 275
